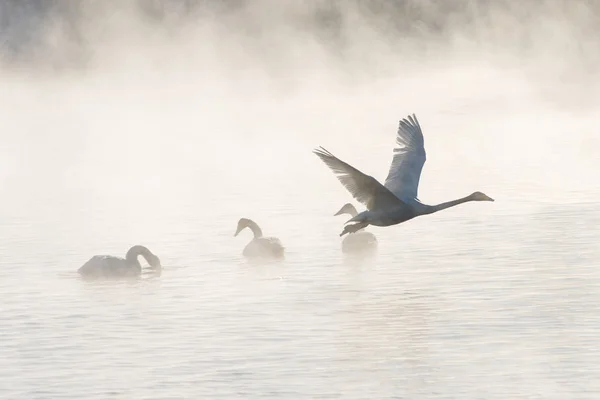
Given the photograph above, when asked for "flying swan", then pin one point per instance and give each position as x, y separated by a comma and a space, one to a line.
360, 241
259, 246
117, 267
396, 201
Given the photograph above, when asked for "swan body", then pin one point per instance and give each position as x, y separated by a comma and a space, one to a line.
104, 266
396, 200
359, 241
260, 246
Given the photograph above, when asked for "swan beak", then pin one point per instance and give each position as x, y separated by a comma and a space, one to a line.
489, 198
237, 231
338, 213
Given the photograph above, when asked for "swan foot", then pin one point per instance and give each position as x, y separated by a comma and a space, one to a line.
354, 228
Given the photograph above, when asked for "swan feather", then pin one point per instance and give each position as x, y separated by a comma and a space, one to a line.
409, 157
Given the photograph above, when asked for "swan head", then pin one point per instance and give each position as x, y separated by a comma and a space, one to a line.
242, 223
479, 196
346, 209
154, 262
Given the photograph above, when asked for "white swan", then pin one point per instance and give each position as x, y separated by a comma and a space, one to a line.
259, 246
396, 201
117, 267
360, 241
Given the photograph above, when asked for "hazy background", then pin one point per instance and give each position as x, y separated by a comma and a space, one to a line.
163, 122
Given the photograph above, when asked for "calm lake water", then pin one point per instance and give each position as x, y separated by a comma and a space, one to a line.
484, 301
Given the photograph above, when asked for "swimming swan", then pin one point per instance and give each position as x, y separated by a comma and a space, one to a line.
396, 201
359, 241
117, 267
260, 246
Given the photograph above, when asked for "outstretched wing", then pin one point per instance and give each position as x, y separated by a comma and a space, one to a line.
409, 158
363, 188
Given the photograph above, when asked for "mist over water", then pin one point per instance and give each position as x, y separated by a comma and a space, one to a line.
162, 123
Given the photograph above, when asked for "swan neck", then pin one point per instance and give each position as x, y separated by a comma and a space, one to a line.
348, 209
135, 251
255, 229
448, 204
352, 211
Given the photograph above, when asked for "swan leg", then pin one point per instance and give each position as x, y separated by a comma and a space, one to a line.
354, 228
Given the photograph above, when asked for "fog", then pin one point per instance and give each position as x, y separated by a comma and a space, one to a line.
116, 88
164, 122
135, 109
